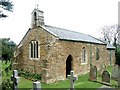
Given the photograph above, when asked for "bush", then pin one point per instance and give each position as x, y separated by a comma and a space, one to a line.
6, 85
29, 75
37, 76
117, 54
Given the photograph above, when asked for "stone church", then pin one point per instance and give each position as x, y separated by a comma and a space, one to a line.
53, 52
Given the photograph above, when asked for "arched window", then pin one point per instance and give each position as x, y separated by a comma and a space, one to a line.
33, 52
97, 53
84, 59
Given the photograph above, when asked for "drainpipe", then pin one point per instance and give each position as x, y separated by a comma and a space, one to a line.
90, 54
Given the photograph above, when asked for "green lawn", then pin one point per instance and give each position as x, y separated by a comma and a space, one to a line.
82, 81
25, 83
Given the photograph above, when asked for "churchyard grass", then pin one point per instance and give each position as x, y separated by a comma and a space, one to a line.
114, 83
25, 83
109, 69
82, 81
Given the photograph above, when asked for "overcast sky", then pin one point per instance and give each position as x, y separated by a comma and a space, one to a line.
85, 16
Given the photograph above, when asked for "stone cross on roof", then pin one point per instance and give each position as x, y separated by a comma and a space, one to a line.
72, 78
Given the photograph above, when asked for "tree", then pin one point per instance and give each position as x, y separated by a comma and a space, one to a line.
7, 49
109, 33
5, 5
118, 55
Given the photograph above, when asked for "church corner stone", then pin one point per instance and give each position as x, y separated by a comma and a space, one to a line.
44, 75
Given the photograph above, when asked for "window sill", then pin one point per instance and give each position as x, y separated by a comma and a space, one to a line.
34, 58
97, 60
83, 63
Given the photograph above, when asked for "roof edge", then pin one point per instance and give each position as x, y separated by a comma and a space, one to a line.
83, 41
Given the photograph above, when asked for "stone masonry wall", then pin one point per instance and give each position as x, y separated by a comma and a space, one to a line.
112, 62
45, 40
18, 59
53, 54
56, 69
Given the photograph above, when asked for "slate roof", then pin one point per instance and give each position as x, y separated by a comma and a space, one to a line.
64, 34
109, 46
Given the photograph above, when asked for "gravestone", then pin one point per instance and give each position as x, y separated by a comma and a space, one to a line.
72, 79
93, 73
114, 74
102, 68
15, 79
106, 77
36, 85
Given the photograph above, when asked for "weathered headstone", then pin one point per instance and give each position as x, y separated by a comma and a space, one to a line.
72, 79
106, 77
93, 73
114, 74
102, 68
36, 85
15, 79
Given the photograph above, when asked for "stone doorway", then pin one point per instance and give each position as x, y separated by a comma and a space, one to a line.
69, 65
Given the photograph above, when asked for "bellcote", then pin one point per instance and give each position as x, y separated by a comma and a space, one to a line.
37, 18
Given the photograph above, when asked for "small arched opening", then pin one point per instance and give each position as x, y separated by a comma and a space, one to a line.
69, 65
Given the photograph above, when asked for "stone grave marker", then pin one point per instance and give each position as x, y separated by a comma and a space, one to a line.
114, 74
93, 73
102, 68
15, 79
72, 79
106, 77
36, 85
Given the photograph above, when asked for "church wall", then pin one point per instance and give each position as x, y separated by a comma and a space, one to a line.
18, 59
45, 40
53, 54
103, 56
56, 69
111, 56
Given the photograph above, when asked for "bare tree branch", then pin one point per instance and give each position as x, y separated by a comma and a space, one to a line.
109, 32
